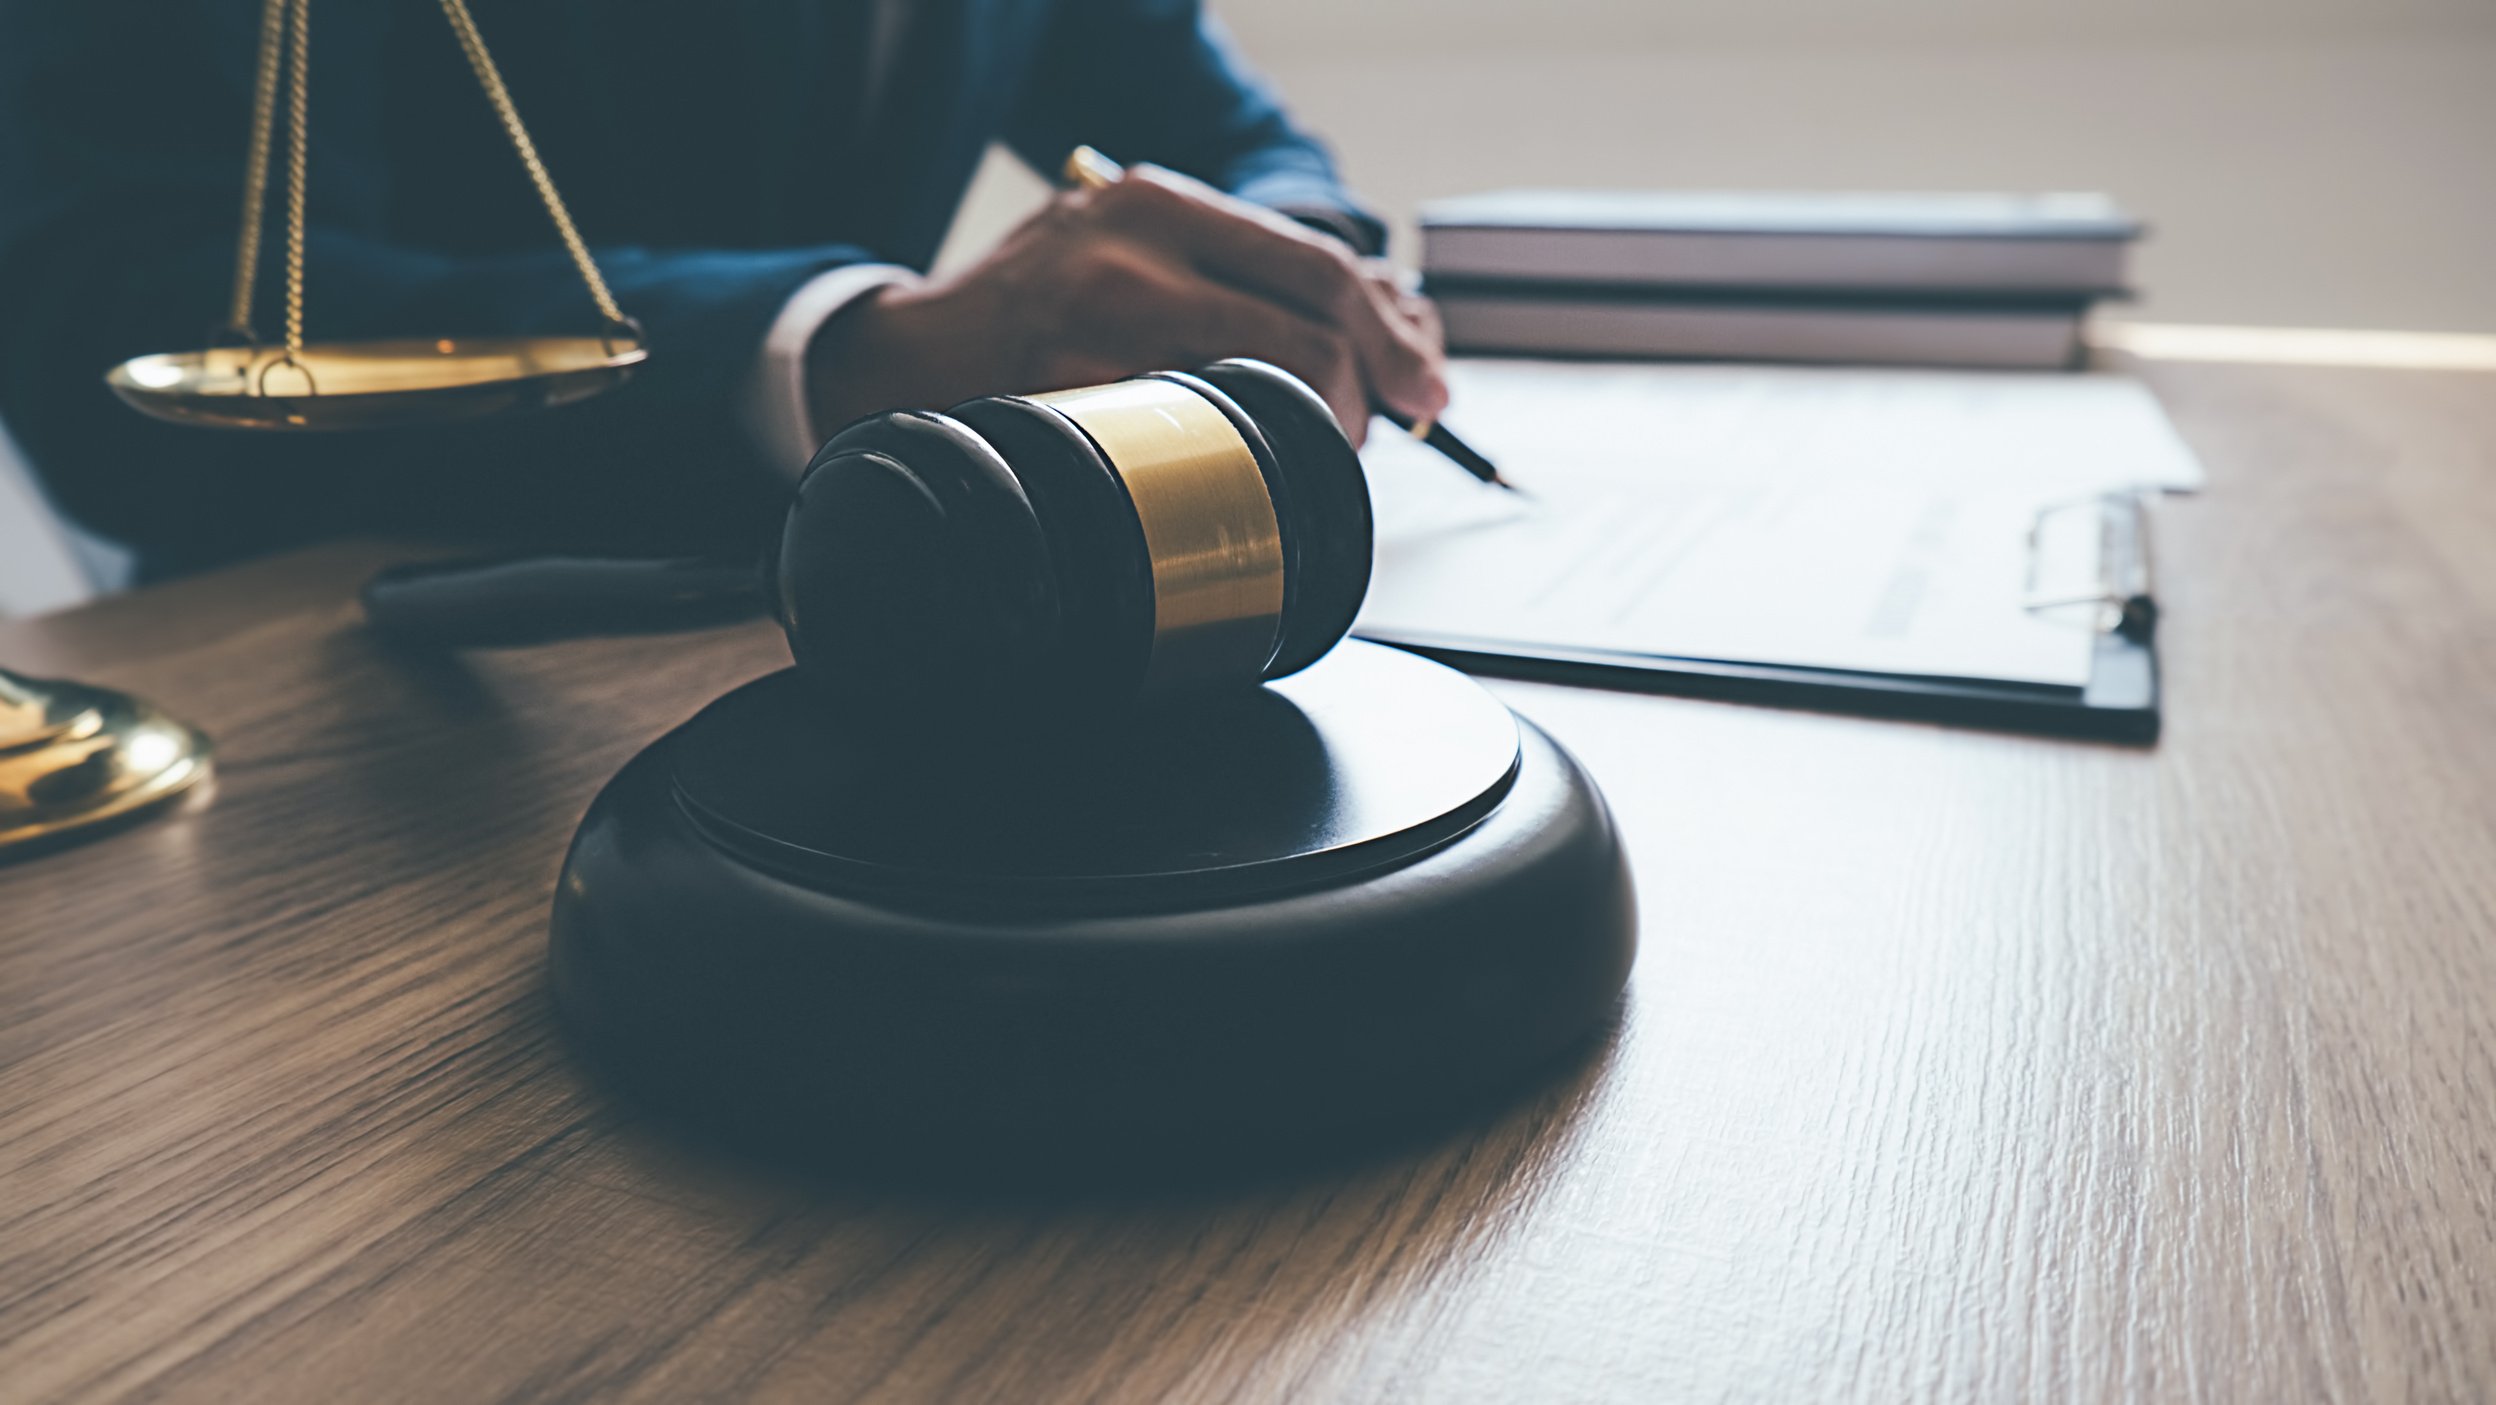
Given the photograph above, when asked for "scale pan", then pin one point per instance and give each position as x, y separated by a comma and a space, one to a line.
374, 384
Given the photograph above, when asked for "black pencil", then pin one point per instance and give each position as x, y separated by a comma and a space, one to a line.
1457, 451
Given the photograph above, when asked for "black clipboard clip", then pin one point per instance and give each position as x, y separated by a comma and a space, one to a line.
2116, 592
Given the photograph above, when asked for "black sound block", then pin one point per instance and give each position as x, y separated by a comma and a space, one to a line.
1361, 895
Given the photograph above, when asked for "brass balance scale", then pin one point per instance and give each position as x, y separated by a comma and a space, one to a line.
74, 758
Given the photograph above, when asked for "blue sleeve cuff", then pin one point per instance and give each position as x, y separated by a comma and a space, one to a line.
1320, 204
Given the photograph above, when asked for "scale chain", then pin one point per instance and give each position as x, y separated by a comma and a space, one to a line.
256, 171
298, 134
492, 80
285, 25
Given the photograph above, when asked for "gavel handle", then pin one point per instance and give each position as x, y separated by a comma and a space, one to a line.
539, 599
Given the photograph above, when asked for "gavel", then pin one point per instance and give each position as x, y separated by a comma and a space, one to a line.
1019, 869
1077, 553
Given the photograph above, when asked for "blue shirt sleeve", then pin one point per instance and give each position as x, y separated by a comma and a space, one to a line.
1161, 81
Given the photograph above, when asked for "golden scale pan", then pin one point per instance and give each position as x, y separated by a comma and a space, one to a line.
373, 384
369, 384
74, 758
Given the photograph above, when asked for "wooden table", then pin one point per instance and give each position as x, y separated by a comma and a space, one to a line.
1957, 1065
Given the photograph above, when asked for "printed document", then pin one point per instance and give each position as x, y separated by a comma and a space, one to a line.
1871, 520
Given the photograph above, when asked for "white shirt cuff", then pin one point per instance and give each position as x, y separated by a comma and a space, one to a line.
775, 398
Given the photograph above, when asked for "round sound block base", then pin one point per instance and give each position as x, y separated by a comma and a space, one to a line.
1361, 896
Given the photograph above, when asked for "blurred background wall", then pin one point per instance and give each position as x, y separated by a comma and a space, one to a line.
2302, 162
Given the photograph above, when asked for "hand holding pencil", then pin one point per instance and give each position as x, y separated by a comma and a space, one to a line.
1087, 169
1150, 271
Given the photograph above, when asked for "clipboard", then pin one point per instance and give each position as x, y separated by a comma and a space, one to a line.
2117, 602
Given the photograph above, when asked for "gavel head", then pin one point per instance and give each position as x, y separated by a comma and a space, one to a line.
1075, 554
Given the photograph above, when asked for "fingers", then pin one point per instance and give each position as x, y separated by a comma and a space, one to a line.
1314, 352
1147, 312
1261, 252
1219, 321
1403, 290
1416, 323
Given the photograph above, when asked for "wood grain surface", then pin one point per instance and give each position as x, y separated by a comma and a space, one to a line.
1957, 1066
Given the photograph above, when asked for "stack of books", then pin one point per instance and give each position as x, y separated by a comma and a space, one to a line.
1948, 280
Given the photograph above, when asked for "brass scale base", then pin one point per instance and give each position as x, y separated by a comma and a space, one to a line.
74, 759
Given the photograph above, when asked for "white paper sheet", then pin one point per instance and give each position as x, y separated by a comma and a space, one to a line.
1869, 520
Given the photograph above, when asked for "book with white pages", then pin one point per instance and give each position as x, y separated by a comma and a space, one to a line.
1962, 546
1558, 320
2066, 244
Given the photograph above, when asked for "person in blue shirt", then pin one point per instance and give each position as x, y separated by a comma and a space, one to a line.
763, 183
